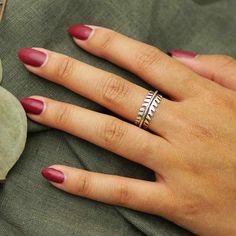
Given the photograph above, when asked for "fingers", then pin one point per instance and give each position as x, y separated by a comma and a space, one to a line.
105, 131
131, 193
219, 68
107, 89
149, 63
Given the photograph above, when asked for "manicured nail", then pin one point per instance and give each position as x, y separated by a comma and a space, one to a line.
183, 54
32, 57
81, 32
32, 106
53, 175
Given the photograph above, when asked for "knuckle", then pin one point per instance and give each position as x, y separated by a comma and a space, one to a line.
106, 42
191, 208
114, 90
148, 57
221, 100
83, 187
112, 132
148, 148
123, 194
215, 97
62, 116
196, 85
201, 131
225, 62
65, 68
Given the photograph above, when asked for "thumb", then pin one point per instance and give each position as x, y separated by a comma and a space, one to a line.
219, 68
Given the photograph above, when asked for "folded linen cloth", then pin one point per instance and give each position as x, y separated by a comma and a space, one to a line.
28, 204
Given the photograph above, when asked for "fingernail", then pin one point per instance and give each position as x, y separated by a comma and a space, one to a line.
32, 57
32, 106
183, 54
53, 175
81, 32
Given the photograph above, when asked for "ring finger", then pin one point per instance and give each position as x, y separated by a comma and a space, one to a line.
107, 89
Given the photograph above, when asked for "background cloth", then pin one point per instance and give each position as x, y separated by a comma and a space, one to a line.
28, 204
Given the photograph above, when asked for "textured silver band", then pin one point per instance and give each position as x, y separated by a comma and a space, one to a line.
147, 110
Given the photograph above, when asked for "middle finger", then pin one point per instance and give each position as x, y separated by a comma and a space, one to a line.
107, 89
103, 130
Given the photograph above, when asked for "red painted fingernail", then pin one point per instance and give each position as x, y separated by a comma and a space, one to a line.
32, 106
53, 175
81, 32
32, 57
183, 54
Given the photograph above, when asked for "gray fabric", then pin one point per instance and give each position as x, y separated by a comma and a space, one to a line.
28, 204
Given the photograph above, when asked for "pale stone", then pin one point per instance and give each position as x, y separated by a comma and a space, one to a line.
13, 131
0, 71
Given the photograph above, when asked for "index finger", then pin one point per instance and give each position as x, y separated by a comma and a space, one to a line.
149, 63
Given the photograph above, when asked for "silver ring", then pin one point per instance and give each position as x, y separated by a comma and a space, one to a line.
148, 108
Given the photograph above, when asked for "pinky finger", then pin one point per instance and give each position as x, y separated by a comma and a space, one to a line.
149, 197
218, 68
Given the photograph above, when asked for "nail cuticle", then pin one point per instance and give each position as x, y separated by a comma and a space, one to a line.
92, 32
45, 62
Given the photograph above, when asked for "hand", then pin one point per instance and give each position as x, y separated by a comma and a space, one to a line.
191, 147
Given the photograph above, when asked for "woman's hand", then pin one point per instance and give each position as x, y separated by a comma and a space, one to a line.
192, 147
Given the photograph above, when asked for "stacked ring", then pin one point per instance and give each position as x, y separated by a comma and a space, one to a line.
148, 108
